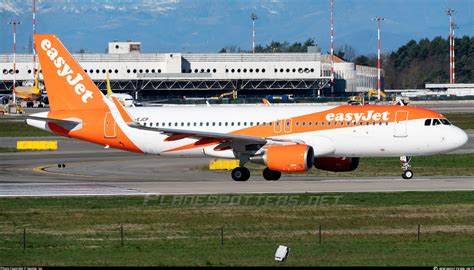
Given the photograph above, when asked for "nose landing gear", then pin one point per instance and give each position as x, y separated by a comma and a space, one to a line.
407, 173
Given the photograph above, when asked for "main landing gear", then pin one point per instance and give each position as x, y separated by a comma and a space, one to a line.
407, 173
270, 175
243, 174
240, 174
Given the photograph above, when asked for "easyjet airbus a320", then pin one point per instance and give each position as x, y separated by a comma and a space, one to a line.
284, 138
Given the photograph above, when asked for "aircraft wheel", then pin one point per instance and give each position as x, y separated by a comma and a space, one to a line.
407, 174
271, 175
240, 174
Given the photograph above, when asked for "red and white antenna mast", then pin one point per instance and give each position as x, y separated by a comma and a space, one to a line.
450, 13
14, 23
34, 32
253, 16
454, 57
332, 47
378, 19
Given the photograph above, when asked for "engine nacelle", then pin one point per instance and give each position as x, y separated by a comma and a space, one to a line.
337, 164
287, 158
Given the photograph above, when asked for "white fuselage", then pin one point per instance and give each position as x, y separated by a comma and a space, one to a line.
362, 138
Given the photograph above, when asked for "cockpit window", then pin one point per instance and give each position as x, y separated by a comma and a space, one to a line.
436, 122
427, 122
445, 122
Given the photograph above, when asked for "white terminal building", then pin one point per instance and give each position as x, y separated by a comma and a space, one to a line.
195, 74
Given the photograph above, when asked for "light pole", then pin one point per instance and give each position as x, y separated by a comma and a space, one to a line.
450, 12
14, 23
34, 32
254, 17
453, 54
378, 19
332, 48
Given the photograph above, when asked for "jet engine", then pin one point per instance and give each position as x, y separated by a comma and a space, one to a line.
287, 158
337, 164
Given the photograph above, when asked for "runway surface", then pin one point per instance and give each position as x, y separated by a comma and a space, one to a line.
92, 170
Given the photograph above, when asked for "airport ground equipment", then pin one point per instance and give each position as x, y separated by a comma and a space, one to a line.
37, 145
282, 253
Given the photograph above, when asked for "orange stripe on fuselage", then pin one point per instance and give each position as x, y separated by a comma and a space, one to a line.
320, 117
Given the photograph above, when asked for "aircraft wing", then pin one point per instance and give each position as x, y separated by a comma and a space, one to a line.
178, 134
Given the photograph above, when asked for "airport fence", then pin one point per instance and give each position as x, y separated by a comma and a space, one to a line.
121, 235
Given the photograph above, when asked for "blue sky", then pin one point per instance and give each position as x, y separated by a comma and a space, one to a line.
209, 25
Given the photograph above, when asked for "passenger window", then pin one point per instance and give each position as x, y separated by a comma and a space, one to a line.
322, 124
428, 122
238, 124
164, 124
310, 123
297, 123
315, 123
226, 123
213, 123
303, 124
270, 123
263, 123
169, 124
445, 122
200, 124
251, 123
245, 124
207, 124
182, 124
335, 123
157, 124
232, 123
220, 123
329, 123
176, 124
436, 122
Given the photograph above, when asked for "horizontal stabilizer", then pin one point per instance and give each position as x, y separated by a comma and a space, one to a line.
53, 120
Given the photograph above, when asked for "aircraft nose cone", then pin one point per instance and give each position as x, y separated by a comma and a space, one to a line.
458, 137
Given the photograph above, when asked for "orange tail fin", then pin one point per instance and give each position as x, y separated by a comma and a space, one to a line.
67, 85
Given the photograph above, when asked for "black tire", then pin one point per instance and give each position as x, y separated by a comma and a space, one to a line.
240, 174
407, 174
271, 175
